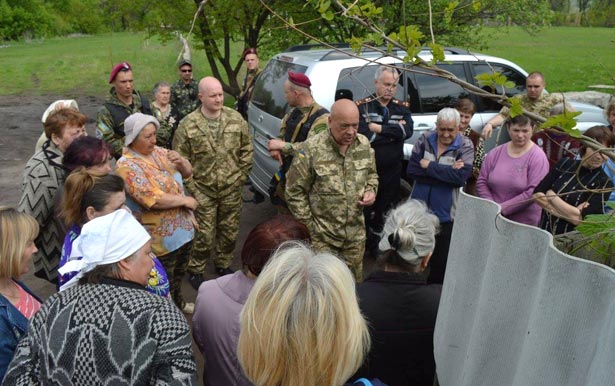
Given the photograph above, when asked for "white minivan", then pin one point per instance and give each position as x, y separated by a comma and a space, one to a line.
333, 69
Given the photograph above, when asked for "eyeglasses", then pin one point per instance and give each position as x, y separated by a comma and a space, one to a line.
186, 70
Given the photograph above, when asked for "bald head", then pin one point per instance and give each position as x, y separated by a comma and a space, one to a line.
344, 122
208, 83
211, 96
344, 107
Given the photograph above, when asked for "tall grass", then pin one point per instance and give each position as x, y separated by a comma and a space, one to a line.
571, 58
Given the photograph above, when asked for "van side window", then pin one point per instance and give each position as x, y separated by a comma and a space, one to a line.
268, 93
511, 74
360, 80
435, 93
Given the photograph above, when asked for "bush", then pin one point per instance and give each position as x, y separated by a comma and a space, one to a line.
602, 16
28, 19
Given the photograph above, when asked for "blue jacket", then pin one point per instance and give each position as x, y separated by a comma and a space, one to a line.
13, 326
439, 184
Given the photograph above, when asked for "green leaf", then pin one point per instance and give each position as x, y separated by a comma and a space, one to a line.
565, 121
596, 223
324, 6
329, 15
355, 44
437, 51
515, 107
449, 10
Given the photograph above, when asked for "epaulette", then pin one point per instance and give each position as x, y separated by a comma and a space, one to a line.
401, 103
365, 100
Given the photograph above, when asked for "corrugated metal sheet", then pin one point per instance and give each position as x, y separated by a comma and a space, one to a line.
516, 311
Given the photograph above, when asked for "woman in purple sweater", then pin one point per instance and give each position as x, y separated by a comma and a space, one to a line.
511, 172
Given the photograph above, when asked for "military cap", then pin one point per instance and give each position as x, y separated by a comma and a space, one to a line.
248, 51
299, 79
124, 66
184, 62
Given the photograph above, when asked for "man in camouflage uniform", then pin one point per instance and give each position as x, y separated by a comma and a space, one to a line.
123, 101
306, 119
532, 100
184, 92
215, 140
332, 178
387, 123
250, 58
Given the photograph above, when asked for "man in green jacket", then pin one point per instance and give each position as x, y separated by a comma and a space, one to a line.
123, 100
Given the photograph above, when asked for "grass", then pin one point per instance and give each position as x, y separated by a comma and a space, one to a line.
571, 59
81, 65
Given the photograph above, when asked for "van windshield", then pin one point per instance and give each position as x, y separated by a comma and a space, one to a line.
268, 93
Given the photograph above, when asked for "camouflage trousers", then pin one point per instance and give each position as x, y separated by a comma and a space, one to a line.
175, 264
218, 220
351, 253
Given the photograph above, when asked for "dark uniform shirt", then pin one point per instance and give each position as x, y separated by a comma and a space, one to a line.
389, 143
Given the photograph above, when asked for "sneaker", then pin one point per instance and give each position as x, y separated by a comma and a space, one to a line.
223, 271
195, 281
188, 308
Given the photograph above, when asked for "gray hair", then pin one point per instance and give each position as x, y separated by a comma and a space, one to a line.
158, 85
382, 69
448, 114
410, 230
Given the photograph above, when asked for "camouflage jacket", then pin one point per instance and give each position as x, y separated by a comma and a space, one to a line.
184, 98
324, 187
220, 152
541, 106
167, 126
111, 131
245, 95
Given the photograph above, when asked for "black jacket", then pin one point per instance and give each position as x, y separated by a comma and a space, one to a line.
388, 144
401, 311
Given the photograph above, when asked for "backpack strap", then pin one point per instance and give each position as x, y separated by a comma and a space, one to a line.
307, 125
119, 114
363, 381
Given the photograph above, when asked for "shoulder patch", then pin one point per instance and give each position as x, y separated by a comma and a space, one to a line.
364, 100
401, 103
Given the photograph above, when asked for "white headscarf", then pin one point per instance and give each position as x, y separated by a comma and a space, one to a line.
104, 240
60, 104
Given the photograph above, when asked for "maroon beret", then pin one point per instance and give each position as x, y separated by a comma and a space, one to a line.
248, 51
124, 66
299, 79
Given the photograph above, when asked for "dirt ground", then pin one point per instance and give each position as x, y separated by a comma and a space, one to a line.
19, 130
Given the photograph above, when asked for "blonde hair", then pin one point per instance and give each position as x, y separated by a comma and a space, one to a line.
17, 230
301, 324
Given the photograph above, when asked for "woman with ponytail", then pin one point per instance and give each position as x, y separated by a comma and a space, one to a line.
88, 194
398, 303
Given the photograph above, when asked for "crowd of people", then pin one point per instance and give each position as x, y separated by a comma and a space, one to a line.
118, 221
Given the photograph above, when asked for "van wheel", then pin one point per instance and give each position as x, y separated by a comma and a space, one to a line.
405, 190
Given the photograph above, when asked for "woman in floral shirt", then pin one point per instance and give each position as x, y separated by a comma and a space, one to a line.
154, 180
